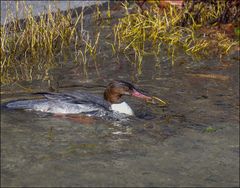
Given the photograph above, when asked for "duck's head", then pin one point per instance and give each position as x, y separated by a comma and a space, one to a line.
116, 89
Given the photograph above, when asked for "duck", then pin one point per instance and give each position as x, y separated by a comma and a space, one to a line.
78, 102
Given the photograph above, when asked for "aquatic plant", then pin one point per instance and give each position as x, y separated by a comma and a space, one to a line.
89, 49
31, 42
31, 46
171, 28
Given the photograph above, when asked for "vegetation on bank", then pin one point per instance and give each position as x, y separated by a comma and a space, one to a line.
33, 46
177, 29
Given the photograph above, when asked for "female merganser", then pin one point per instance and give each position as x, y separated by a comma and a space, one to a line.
84, 103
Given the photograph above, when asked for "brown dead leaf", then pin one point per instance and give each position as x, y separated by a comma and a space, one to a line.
166, 3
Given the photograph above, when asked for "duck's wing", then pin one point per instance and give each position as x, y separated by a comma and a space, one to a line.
77, 97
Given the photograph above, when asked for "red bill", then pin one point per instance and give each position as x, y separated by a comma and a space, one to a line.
137, 94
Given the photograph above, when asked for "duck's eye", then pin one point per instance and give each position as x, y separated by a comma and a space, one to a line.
127, 91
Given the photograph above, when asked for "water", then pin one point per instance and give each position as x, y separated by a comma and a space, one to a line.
39, 7
173, 149
194, 141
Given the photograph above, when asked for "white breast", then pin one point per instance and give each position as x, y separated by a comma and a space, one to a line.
122, 108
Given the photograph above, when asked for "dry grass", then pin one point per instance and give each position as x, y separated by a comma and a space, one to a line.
154, 30
32, 46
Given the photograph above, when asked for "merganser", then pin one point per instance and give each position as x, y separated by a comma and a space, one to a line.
77, 102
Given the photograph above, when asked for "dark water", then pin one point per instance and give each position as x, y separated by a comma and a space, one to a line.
194, 141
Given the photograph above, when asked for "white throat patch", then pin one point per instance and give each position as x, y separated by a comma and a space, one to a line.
122, 108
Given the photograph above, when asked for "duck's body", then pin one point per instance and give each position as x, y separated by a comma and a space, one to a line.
83, 103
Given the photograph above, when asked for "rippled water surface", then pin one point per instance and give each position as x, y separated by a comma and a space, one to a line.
194, 141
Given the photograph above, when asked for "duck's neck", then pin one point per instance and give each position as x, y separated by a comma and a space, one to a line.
111, 96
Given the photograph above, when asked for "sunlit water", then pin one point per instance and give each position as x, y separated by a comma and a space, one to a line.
18, 9
194, 141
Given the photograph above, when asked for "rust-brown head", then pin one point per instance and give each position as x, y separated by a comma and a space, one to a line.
116, 89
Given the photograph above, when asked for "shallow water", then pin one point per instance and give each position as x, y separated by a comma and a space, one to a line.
194, 141
173, 149
39, 7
